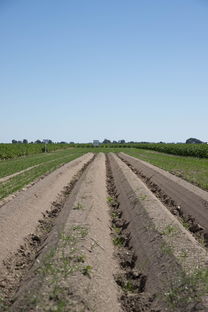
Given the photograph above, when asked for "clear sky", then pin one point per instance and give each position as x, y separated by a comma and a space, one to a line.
78, 70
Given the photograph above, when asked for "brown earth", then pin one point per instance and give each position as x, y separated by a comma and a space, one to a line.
20, 217
187, 200
85, 223
159, 241
135, 256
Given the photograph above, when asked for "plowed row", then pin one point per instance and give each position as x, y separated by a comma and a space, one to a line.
105, 233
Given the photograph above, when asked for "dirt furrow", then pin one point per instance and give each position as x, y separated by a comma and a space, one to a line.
182, 198
74, 271
16, 265
173, 262
20, 216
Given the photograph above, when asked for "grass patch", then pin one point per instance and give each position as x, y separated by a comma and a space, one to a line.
188, 289
192, 169
119, 241
169, 230
18, 182
78, 206
86, 270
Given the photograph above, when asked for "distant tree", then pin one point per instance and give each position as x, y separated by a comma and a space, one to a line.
25, 141
62, 142
50, 141
121, 141
38, 141
106, 141
19, 142
115, 142
14, 141
193, 141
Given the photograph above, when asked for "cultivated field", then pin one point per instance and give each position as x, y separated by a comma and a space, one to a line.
94, 231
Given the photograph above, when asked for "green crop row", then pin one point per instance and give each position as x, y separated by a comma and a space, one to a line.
194, 150
16, 183
8, 151
181, 149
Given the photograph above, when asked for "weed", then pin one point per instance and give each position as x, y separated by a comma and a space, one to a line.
80, 258
202, 241
169, 230
188, 288
118, 241
166, 249
86, 270
184, 253
142, 197
83, 231
117, 229
110, 199
78, 206
115, 215
128, 286
185, 224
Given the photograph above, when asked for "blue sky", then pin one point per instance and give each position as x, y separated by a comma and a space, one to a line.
78, 70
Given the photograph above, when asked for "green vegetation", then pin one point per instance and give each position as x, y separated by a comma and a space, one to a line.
194, 150
8, 167
192, 169
119, 241
57, 266
182, 149
188, 289
8, 151
78, 206
169, 230
21, 180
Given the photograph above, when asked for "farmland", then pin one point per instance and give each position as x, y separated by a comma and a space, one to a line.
8, 151
103, 229
194, 150
36, 165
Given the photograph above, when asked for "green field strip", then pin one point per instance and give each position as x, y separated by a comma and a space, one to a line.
9, 167
191, 169
18, 182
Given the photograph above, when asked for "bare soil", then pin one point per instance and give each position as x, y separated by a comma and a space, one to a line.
184, 199
85, 281
91, 236
20, 217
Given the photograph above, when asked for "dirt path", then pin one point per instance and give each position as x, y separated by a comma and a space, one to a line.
20, 216
192, 200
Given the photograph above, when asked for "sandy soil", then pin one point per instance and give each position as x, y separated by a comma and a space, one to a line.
100, 291
192, 200
82, 232
152, 266
158, 238
19, 217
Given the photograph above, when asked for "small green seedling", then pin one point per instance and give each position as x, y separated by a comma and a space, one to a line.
78, 206
86, 270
